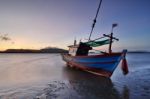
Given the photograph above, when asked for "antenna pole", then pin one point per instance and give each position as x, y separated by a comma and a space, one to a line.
94, 21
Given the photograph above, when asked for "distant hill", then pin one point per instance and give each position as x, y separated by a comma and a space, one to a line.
53, 50
50, 50
44, 50
20, 51
138, 52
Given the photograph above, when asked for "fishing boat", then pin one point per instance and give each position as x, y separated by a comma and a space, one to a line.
103, 63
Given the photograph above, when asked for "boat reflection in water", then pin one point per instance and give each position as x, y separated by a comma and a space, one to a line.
77, 84
90, 86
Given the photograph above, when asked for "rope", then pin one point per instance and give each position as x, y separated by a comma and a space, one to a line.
94, 21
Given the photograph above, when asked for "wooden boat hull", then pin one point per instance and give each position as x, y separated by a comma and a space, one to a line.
103, 65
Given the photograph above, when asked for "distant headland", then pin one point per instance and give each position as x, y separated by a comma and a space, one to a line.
138, 51
50, 50
44, 50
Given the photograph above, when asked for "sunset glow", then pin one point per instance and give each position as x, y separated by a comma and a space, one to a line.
35, 24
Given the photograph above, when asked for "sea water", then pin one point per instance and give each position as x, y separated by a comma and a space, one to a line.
45, 76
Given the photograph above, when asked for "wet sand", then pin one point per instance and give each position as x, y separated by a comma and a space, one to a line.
45, 76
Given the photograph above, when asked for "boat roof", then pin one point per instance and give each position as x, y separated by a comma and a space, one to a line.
74, 46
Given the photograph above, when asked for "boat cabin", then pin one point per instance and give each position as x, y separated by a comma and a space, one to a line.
79, 50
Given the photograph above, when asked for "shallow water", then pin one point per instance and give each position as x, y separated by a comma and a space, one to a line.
45, 76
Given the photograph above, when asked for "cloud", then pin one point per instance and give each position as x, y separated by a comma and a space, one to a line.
4, 37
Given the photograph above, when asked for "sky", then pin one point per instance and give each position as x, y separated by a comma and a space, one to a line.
35, 24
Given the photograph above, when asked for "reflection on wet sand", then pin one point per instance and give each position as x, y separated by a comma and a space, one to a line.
82, 85
45, 76
125, 93
90, 86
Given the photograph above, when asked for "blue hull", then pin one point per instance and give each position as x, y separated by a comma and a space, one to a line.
98, 64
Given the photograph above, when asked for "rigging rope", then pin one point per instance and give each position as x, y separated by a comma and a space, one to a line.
94, 21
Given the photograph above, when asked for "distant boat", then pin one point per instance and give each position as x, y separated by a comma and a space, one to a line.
104, 63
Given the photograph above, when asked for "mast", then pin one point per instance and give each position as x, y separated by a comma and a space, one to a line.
94, 21
111, 37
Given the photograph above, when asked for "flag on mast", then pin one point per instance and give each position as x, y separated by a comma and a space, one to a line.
114, 25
